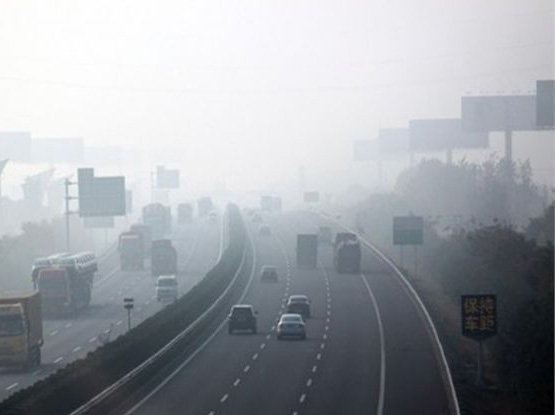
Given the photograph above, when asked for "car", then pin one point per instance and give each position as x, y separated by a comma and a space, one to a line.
291, 324
268, 273
242, 317
166, 288
299, 304
264, 230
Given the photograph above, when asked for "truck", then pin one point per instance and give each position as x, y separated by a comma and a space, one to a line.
307, 250
163, 260
131, 250
158, 218
65, 282
184, 214
266, 203
346, 253
146, 236
325, 235
21, 331
204, 206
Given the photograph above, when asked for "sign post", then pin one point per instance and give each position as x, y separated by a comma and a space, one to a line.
479, 322
408, 230
128, 304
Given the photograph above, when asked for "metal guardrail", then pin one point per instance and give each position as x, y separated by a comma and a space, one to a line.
164, 351
413, 295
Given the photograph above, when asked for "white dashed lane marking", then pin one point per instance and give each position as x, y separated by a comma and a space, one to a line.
12, 386
59, 359
76, 349
237, 381
224, 398
246, 368
302, 398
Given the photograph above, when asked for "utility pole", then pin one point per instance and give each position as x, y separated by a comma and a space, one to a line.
68, 212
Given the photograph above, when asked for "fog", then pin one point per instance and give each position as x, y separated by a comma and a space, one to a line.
243, 93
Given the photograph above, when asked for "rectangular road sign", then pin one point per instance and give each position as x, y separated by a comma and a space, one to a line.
545, 104
311, 197
393, 140
167, 178
479, 316
444, 134
100, 196
498, 113
408, 230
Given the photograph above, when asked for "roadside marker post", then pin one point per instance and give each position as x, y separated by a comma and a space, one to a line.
128, 304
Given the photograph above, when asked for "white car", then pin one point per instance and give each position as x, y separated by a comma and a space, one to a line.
166, 288
291, 325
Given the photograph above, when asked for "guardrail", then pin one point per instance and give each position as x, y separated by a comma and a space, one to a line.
415, 298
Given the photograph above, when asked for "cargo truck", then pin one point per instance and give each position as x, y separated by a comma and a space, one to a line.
184, 214
158, 218
325, 235
163, 258
131, 250
21, 331
307, 250
346, 253
65, 282
146, 237
204, 206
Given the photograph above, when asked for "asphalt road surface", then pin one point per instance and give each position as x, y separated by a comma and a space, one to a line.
367, 350
65, 340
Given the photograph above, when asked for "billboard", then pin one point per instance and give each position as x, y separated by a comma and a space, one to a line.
408, 230
545, 104
100, 196
167, 178
479, 316
498, 113
57, 150
443, 134
311, 197
99, 222
393, 140
15, 145
365, 150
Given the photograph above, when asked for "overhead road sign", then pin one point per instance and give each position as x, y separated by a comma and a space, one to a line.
167, 178
393, 141
311, 197
408, 230
498, 113
545, 104
99, 222
443, 134
57, 150
100, 196
15, 145
365, 150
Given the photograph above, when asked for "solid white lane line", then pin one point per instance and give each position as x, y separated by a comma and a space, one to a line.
246, 368
224, 398
76, 349
382, 345
54, 333
59, 359
237, 381
309, 382
92, 339
12, 386
302, 398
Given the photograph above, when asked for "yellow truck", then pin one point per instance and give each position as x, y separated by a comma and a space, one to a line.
21, 331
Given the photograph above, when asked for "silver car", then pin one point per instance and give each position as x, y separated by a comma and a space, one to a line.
291, 325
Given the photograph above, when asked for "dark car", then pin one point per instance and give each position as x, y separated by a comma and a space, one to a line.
242, 317
299, 304
268, 273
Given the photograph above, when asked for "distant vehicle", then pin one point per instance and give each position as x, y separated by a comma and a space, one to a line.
65, 281
307, 250
264, 230
131, 250
184, 214
146, 236
266, 203
256, 218
158, 218
213, 217
167, 289
268, 273
325, 236
163, 260
347, 253
276, 204
21, 331
299, 304
291, 325
242, 317
204, 206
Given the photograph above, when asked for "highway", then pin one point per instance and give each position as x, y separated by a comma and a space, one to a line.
367, 350
198, 246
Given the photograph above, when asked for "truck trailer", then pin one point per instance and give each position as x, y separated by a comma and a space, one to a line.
146, 237
131, 250
184, 214
163, 258
21, 331
346, 253
158, 218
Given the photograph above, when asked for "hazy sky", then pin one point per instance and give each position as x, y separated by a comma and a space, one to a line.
243, 92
